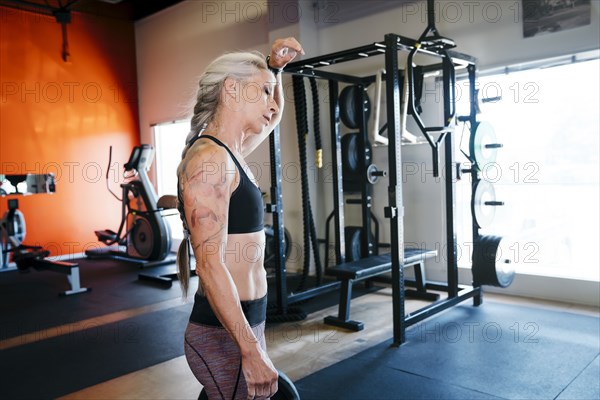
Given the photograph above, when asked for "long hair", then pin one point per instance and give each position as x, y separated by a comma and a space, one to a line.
239, 66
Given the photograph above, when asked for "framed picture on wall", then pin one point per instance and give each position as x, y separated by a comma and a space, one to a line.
549, 16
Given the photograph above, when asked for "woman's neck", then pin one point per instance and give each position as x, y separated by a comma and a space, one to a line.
227, 134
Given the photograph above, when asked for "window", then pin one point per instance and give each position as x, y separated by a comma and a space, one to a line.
170, 139
547, 171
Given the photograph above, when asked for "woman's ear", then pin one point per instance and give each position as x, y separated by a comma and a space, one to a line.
231, 87
232, 94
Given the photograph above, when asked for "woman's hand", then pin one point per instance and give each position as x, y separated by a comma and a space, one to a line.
283, 51
260, 375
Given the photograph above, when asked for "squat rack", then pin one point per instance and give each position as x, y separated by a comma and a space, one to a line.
390, 48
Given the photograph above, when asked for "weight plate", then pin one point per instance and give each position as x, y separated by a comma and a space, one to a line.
142, 238
286, 391
483, 214
483, 135
352, 150
353, 236
351, 176
350, 155
491, 262
270, 253
349, 108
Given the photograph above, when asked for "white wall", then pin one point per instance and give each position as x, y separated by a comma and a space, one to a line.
491, 30
174, 46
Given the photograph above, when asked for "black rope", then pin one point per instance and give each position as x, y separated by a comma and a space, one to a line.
319, 151
302, 130
316, 113
309, 229
315, 245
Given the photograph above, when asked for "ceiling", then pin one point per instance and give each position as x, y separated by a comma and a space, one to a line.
327, 12
131, 10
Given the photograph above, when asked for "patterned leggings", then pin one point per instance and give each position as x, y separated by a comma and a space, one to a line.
215, 360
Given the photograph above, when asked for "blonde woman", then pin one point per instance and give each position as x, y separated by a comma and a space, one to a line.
239, 102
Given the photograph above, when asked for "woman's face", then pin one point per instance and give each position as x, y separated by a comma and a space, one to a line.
253, 101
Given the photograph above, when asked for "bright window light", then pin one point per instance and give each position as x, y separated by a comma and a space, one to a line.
547, 173
169, 139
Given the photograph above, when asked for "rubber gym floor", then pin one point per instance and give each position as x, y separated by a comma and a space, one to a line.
123, 339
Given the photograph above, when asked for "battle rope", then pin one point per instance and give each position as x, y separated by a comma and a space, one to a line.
319, 162
309, 231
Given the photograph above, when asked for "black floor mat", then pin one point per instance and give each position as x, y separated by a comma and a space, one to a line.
474, 352
87, 355
30, 302
491, 351
64, 364
465, 353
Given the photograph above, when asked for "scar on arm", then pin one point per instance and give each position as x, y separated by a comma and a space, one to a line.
203, 213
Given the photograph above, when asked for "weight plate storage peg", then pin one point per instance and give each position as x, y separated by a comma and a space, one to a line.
483, 145
491, 263
374, 173
484, 203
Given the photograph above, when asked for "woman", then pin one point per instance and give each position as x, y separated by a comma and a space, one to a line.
239, 102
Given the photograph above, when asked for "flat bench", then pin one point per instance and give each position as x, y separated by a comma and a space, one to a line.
371, 267
67, 268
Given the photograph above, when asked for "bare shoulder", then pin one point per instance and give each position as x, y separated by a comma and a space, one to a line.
206, 188
203, 162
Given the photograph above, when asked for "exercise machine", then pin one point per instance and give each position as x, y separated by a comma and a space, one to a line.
143, 235
362, 262
13, 232
286, 391
357, 175
447, 63
164, 276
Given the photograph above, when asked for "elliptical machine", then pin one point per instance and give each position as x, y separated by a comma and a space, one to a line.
143, 236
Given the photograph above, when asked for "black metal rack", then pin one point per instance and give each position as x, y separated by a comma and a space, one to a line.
313, 67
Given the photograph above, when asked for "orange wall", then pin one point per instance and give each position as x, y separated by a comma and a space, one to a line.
62, 117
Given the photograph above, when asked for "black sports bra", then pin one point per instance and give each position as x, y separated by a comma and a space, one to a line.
246, 209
